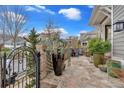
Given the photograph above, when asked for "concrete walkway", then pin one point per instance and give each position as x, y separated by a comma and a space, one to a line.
81, 74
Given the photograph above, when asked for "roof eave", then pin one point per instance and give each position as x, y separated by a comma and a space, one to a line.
92, 18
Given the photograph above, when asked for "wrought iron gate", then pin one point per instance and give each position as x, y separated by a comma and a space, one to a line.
20, 69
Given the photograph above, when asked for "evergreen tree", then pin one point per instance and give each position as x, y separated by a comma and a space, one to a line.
33, 38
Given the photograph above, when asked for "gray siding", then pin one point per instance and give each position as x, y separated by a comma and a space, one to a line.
118, 37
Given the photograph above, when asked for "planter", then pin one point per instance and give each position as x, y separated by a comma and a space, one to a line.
98, 59
58, 64
111, 65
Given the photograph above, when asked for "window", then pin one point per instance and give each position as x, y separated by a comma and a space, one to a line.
84, 44
121, 26
11, 43
18, 43
118, 26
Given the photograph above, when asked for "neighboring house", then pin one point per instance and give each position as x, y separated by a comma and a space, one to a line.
118, 33
73, 41
85, 36
101, 20
46, 35
19, 42
8, 43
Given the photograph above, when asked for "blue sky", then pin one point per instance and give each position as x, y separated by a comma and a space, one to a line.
71, 19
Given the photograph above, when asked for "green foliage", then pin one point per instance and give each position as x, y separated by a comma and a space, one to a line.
54, 44
5, 49
33, 38
31, 85
30, 66
99, 46
30, 70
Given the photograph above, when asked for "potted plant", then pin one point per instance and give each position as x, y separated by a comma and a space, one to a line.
56, 48
98, 47
56, 51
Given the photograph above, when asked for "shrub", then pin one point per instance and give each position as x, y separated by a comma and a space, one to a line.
5, 49
99, 46
56, 47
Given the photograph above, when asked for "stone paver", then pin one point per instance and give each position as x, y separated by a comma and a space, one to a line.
81, 74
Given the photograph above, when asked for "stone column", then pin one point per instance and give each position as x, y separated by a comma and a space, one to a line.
43, 66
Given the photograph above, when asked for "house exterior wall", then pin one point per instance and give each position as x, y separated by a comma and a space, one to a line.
84, 37
100, 19
73, 41
102, 29
118, 37
10, 44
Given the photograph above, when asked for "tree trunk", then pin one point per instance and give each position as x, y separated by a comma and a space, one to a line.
14, 44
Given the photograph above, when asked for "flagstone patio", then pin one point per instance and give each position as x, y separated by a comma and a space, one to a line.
81, 74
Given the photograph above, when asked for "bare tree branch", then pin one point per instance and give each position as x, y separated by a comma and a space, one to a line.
14, 20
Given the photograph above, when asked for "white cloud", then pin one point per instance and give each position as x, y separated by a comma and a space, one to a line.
40, 31
78, 35
63, 31
71, 13
30, 8
39, 8
83, 31
90, 6
23, 34
50, 12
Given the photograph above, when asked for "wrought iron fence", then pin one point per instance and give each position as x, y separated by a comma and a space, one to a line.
20, 69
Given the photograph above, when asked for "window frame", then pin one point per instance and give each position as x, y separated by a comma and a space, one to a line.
118, 26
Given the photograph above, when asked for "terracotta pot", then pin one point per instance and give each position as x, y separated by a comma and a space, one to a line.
98, 59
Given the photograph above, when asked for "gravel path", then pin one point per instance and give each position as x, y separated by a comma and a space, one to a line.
81, 74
